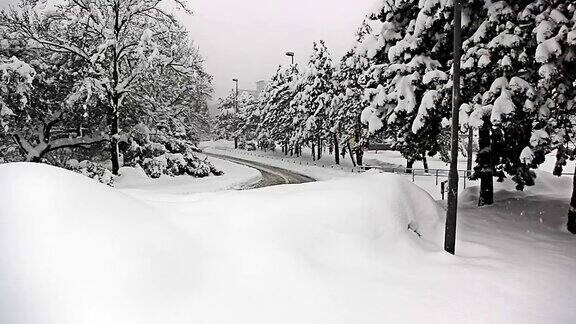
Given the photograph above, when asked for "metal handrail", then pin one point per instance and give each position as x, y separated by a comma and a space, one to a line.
424, 173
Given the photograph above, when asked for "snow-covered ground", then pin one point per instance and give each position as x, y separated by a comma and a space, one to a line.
346, 250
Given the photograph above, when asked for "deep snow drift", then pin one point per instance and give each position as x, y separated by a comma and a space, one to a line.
365, 249
75, 251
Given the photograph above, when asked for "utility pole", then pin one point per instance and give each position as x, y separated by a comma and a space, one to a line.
451, 211
236, 110
291, 54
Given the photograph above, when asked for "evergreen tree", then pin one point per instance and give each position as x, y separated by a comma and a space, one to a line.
555, 54
408, 101
277, 114
228, 120
313, 101
348, 102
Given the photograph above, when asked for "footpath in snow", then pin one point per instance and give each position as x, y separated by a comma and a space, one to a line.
362, 249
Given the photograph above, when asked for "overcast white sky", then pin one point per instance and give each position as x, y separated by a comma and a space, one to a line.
247, 39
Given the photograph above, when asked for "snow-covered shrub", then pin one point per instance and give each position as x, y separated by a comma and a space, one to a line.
159, 154
91, 170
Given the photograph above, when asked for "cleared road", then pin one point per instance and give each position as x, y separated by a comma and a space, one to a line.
271, 176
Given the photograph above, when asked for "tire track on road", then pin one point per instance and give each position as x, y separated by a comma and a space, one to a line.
271, 176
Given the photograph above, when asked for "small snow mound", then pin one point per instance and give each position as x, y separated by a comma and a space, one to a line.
133, 176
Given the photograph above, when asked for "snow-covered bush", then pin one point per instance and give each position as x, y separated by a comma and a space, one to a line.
159, 154
91, 170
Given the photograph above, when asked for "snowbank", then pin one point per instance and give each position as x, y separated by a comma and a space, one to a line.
76, 251
73, 250
365, 249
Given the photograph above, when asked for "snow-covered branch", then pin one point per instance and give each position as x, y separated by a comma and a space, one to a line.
35, 152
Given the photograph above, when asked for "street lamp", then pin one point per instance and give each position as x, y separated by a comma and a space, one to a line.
236, 109
291, 54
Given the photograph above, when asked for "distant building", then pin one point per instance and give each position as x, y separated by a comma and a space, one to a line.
260, 86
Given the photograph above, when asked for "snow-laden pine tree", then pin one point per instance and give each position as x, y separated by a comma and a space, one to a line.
499, 92
390, 21
239, 118
348, 101
228, 121
312, 101
406, 85
276, 125
555, 55
249, 114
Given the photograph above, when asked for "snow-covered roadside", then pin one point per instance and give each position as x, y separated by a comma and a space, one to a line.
316, 170
339, 251
371, 158
325, 169
235, 176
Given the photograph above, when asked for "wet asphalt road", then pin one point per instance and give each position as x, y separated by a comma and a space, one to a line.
271, 176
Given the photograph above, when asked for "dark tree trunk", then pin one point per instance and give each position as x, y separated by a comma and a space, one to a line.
319, 155
351, 155
115, 98
485, 166
313, 151
336, 149
560, 161
469, 151
359, 156
572, 211
114, 154
425, 163
358, 149
409, 165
